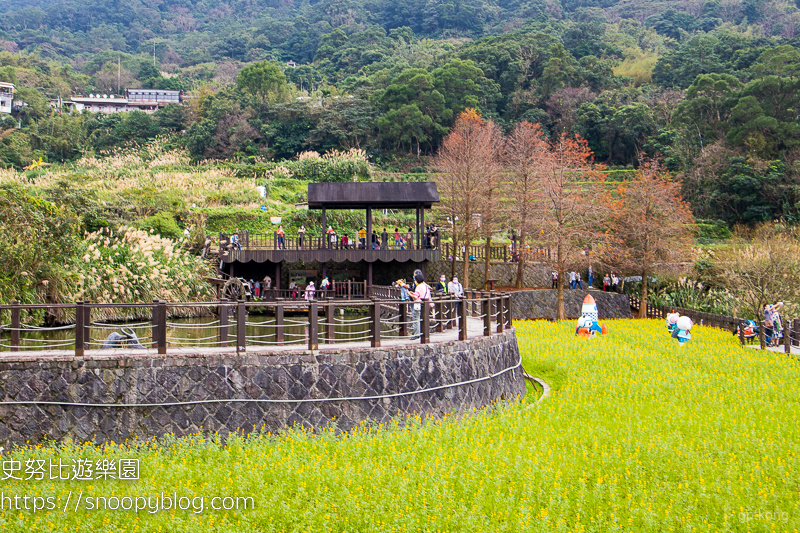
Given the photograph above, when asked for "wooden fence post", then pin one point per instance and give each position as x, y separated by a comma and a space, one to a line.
426, 322
223, 322
462, 320
79, 348
375, 323
501, 314
487, 317
159, 326
16, 324
796, 329
241, 327
279, 323
313, 326
87, 324
330, 318
439, 309
787, 337
403, 319
741, 332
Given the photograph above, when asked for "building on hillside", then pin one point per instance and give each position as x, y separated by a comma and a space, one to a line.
147, 100
6, 97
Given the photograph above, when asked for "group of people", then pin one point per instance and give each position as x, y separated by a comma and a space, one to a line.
610, 281
311, 292
398, 240
421, 294
259, 288
773, 324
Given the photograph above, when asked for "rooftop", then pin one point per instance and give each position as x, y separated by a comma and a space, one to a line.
361, 195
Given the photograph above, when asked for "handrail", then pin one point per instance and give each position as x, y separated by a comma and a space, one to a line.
401, 320
790, 331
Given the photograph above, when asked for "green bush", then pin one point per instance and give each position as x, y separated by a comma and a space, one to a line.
709, 231
162, 224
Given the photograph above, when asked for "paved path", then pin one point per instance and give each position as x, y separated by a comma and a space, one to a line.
781, 349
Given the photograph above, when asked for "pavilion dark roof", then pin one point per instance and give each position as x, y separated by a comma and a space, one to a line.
361, 195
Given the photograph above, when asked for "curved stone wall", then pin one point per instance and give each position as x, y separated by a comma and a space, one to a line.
196, 376
543, 303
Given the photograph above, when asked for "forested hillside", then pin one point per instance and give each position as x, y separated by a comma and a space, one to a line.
710, 87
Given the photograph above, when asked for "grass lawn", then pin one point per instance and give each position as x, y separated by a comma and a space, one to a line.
638, 434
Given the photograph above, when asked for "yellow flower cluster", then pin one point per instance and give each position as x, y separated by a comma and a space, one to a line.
638, 435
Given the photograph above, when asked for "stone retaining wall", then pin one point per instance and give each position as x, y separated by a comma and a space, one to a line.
536, 275
543, 303
146, 378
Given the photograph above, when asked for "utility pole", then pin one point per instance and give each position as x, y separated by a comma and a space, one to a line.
154, 54
118, 75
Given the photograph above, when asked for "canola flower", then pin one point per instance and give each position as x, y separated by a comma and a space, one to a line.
638, 435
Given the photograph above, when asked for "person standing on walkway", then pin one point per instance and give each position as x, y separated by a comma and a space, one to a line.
301, 233
384, 240
362, 238
606, 282
456, 290
614, 283
590, 277
410, 239
397, 239
554, 277
310, 290
777, 322
441, 285
324, 286
572, 279
281, 239
578, 284
421, 297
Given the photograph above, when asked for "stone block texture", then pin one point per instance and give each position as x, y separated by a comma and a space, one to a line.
536, 275
543, 303
123, 377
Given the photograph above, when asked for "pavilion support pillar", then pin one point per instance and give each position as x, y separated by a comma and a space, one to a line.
277, 276
417, 227
324, 227
421, 226
369, 274
368, 244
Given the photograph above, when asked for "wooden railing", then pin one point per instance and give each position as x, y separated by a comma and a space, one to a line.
497, 252
790, 331
335, 241
301, 323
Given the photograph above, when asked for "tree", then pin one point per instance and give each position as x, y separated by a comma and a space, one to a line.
469, 163
649, 226
265, 81
567, 212
525, 154
763, 269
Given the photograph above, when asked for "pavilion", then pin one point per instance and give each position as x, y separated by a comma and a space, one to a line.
261, 254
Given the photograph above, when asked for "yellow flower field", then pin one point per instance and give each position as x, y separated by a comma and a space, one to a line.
638, 435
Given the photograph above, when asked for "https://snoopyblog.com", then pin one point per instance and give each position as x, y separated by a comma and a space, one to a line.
77, 501
122, 470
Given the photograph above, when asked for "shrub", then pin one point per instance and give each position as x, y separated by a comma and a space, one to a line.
162, 224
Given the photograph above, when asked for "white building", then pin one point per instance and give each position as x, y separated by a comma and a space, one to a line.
147, 100
6, 97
